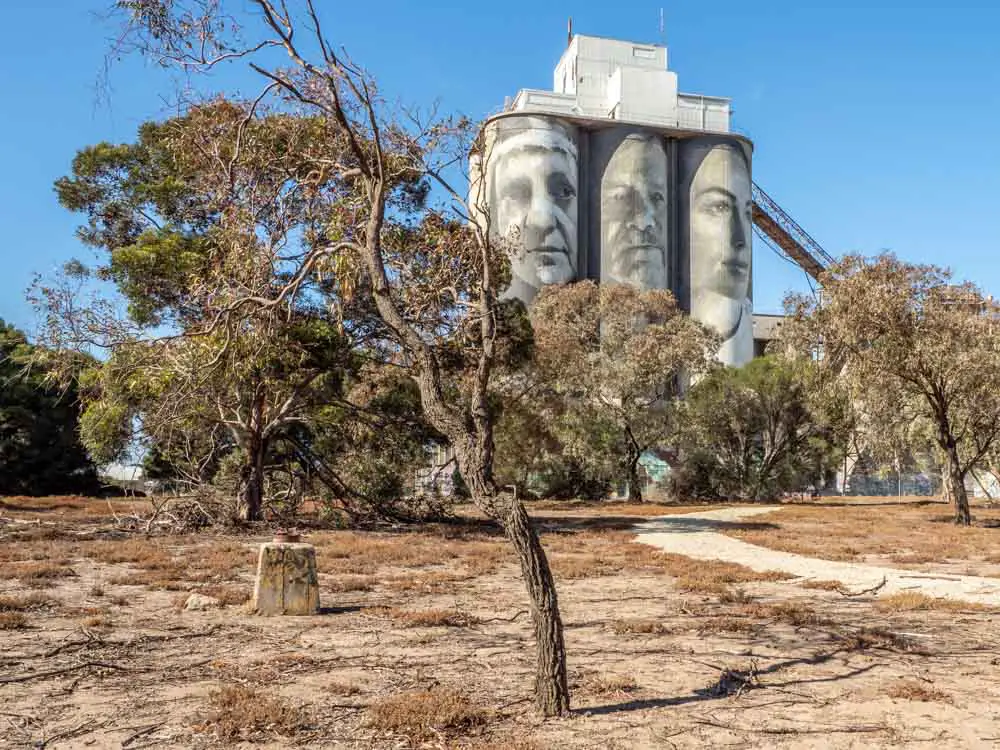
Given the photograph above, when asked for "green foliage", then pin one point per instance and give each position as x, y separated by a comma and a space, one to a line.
105, 428
369, 447
752, 433
152, 271
601, 388
40, 451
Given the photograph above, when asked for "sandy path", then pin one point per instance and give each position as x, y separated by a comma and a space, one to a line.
694, 535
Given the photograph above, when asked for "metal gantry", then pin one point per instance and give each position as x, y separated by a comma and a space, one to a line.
782, 232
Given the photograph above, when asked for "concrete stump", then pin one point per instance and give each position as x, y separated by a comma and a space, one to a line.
286, 580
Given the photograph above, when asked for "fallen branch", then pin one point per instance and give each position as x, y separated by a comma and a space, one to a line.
91, 639
65, 670
505, 619
141, 733
86, 727
852, 729
877, 587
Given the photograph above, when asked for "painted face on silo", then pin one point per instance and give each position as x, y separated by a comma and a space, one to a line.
720, 224
634, 214
534, 203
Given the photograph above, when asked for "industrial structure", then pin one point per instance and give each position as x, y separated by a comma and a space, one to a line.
618, 176
657, 190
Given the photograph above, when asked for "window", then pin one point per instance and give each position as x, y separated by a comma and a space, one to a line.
648, 53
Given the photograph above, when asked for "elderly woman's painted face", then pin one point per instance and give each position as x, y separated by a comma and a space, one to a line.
720, 224
634, 214
535, 205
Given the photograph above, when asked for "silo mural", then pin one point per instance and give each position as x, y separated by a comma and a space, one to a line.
656, 208
633, 190
533, 179
715, 201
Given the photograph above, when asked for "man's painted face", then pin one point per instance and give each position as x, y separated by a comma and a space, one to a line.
634, 214
721, 221
535, 206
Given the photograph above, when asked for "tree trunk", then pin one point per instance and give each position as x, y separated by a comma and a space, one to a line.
954, 479
634, 485
956, 486
251, 501
551, 684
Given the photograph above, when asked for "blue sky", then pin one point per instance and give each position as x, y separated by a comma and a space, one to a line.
875, 124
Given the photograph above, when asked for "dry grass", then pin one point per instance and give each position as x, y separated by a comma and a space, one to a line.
144, 553
608, 685
239, 713
426, 618
157, 567
157, 580
23, 602
227, 595
344, 689
347, 584
37, 574
623, 626
735, 595
913, 601
66, 507
509, 742
915, 690
904, 534
424, 714
221, 560
726, 624
429, 582
13, 621
713, 576
346, 552
823, 585
794, 613
103, 622
572, 567
639, 627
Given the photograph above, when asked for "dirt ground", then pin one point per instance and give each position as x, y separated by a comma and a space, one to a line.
424, 641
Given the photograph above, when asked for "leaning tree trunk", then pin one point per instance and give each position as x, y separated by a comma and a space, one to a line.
551, 684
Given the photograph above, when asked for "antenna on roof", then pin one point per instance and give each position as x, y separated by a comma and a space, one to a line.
663, 39
569, 31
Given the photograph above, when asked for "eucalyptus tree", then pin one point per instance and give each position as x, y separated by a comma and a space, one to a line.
433, 277
189, 222
907, 334
618, 358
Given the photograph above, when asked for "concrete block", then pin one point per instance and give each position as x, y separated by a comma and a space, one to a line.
286, 580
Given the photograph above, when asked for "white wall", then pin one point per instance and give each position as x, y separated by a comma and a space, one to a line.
627, 81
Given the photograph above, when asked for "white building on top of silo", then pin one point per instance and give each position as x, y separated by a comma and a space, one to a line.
610, 79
